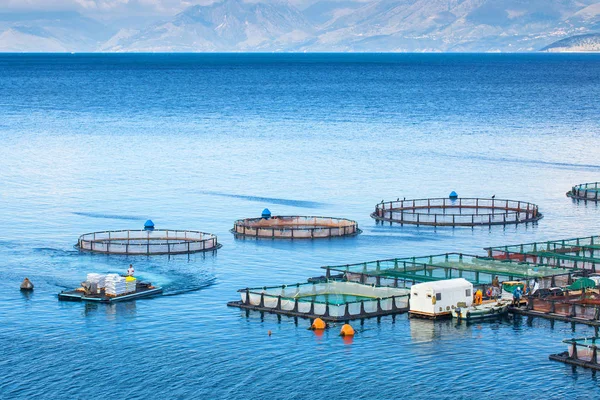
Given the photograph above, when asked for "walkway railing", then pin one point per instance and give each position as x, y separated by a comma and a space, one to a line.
458, 212
140, 242
585, 191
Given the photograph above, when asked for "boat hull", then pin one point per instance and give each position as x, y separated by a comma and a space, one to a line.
483, 311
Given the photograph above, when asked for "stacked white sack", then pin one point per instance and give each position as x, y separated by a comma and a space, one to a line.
130, 285
98, 279
115, 285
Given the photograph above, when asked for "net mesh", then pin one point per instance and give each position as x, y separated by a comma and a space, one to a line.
334, 298
163, 241
477, 270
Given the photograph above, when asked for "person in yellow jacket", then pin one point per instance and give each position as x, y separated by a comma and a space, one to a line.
478, 297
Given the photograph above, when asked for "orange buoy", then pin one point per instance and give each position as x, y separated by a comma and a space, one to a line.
347, 330
318, 324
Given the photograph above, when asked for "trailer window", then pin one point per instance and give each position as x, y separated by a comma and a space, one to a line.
468, 292
438, 296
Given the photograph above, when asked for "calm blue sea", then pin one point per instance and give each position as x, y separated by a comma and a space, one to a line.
103, 142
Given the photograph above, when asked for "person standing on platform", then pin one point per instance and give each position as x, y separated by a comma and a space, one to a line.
130, 271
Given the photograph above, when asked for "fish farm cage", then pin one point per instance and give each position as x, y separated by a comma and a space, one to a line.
148, 242
295, 227
480, 271
580, 253
585, 191
578, 307
456, 212
581, 352
331, 300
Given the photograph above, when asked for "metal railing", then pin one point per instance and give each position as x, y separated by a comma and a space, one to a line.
478, 270
585, 191
571, 308
296, 300
295, 227
146, 242
584, 349
457, 212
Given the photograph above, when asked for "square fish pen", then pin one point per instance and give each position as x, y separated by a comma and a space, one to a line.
581, 352
331, 300
478, 270
581, 253
567, 307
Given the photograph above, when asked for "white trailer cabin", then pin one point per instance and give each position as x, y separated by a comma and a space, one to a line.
438, 299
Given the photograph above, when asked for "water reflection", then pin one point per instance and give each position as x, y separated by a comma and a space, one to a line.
111, 310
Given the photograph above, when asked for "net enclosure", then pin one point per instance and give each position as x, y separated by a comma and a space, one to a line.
585, 349
582, 305
148, 242
456, 212
331, 300
480, 271
581, 253
585, 191
581, 352
295, 227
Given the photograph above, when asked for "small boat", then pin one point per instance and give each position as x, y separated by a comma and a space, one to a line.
488, 309
90, 291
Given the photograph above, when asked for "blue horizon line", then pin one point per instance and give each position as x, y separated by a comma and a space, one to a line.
295, 52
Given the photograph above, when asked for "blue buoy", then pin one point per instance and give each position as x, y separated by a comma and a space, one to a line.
453, 195
266, 214
149, 225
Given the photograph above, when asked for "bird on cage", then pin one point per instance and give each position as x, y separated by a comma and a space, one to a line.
493, 197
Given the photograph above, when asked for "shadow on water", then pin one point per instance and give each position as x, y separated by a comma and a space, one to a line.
272, 200
521, 161
109, 216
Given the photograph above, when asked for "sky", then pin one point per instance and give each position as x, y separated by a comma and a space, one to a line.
101, 8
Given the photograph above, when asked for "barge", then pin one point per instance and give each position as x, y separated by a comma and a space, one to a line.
90, 294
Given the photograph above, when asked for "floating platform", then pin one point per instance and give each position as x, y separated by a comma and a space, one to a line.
582, 352
585, 191
578, 253
331, 301
456, 212
143, 289
295, 227
480, 271
148, 242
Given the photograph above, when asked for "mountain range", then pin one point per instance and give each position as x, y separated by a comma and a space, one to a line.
579, 43
346, 25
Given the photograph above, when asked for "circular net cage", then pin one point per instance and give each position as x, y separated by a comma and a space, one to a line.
148, 242
295, 227
585, 191
457, 212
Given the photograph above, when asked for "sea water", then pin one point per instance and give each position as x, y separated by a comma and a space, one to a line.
97, 142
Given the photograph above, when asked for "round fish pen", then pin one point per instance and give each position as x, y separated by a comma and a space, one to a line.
457, 212
295, 227
148, 242
585, 191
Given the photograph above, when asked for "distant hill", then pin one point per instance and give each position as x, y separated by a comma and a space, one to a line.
326, 25
230, 25
51, 31
577, 43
